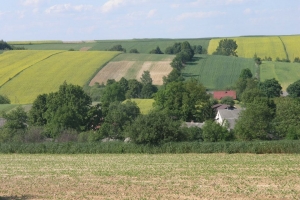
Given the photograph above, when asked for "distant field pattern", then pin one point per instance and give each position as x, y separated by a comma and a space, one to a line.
132, 66
292, 44
218, 72
48, 75
248, 46
285, 73
13, 62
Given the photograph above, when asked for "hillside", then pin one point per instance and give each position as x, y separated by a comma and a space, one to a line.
142, 45
217, 72
132, 66
46, 76
285, 73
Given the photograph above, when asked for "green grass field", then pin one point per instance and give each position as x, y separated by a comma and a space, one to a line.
292, 44
285, 73
247, 46
35, 42
145, 105
46, 76
142, 57
217, 72
14, 62
147, 176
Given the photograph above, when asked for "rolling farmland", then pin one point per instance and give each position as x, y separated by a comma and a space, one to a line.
132, 66
48, 75
217, 72
285, 73
248, 46
14, 62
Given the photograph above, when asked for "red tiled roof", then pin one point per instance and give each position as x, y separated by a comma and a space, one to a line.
221, 94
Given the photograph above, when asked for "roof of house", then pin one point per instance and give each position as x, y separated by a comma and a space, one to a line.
219, 106
231, 115
221, 94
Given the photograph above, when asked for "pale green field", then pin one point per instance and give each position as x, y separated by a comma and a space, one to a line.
145, 105
292, 44
48, 75
248, 46
35, 42
285, 73
145, 176
13, 62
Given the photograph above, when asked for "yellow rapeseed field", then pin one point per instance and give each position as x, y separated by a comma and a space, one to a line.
248, 46
13, 62
46, 76
145, 105
292, 45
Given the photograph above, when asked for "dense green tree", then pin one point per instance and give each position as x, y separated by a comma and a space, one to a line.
214, 132
287, 116
124, 84
4, 99
5, 46
246, 73
198, 49
174, 76
156, 51
294, 89
16, 119
183, 100
249, 95
134, 89
228, 101
146, 78
112, 92
154, 128
297, 60
255, 122
67, 109
177, 63
36, 113
117, 47
134, 51
119, 115
271, 88
226, 47
148, 89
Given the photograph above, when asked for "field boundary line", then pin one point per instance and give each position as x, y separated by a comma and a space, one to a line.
284, 47
98, 70
29, 67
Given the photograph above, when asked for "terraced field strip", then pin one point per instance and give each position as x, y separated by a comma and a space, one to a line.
35, 42
285, 73
132, 66
14, 62
145, 105
46, 76
217, 72
248, 46
146, 176
292, 44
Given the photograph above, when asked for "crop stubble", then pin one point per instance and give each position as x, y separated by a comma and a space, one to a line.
142, 176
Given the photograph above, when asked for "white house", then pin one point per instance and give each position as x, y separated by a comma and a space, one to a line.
230, 115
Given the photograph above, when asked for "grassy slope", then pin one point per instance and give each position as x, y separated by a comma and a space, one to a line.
248, 46
46, 76
285, 73
217, 72
10, 107
13, 62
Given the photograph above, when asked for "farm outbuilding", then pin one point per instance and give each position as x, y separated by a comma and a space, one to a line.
220, 94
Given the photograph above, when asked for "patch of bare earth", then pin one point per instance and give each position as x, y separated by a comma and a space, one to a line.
85, 48
113, 70
159, 70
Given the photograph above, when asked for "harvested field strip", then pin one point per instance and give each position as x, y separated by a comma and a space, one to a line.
132, 66
248, 46
48, 75
14, 62
146, 176
285, 73
217, 72
292, 44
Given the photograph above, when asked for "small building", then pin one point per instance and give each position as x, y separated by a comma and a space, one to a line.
220, 94
229, 115
193, 124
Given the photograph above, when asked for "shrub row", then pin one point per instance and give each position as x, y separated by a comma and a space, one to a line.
257, 147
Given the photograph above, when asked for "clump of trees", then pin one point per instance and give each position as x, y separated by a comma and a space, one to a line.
296, 60
156, 51
134, 51
5, 46
226, 47
117, 47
